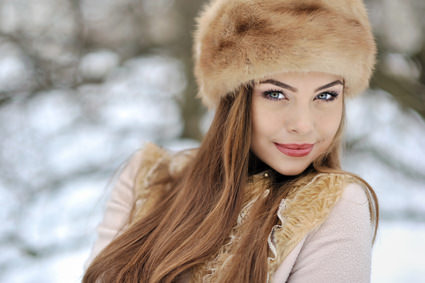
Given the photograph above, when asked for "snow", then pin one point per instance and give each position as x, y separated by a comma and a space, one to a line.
91, 144
57, 217
65, 268
9, 207
15, 71
51, 111
379, 122
398, 254
97, 65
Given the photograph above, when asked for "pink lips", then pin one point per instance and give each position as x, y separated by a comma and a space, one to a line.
295, 150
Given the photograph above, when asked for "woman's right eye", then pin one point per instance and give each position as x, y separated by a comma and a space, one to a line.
274, 95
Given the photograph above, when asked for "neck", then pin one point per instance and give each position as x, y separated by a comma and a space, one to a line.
257, 166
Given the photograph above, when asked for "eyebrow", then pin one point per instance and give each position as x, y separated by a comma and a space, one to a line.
291, 88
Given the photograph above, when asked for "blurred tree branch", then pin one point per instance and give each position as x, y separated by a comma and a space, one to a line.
192, 109
410, 94
420, 59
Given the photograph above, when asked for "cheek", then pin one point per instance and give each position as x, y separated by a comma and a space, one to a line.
264, 122
328, 124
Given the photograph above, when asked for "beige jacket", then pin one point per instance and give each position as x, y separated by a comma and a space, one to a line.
334, 249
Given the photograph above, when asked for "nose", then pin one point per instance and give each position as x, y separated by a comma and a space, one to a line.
299, 120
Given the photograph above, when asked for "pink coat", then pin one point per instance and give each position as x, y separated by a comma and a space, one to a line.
339, 250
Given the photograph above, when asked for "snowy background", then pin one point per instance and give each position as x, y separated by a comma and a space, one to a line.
84, 83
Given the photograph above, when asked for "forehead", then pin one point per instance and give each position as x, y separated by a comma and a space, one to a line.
300, 78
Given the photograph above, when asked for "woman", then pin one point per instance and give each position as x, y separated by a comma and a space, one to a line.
264, 197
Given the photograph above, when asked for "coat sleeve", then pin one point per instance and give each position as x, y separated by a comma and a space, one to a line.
118, 206
340, 249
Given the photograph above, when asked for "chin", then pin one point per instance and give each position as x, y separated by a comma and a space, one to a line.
290, 171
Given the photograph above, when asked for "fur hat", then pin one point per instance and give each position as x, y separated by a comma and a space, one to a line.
237, 41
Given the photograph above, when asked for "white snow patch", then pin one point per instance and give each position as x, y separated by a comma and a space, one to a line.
379, 122
64, 268
50, 112
58, 217
97, 65
78, 149
15, 70
399, 253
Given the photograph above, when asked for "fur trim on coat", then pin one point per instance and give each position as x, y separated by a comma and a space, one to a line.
240, 41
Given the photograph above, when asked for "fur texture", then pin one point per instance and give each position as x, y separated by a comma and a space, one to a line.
238, 41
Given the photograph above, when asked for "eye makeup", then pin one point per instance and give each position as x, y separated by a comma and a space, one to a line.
274, 94
331, 95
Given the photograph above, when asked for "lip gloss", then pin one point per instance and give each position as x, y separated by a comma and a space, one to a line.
295, 150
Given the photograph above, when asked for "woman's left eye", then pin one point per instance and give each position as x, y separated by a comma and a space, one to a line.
327, 96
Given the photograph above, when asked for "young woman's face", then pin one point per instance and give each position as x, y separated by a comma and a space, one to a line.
295, 118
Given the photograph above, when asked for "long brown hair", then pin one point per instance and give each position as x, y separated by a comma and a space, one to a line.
194, 218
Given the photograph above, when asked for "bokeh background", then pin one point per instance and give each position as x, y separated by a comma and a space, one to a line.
84, 83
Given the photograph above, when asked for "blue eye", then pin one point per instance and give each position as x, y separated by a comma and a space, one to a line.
327, 96
274, 95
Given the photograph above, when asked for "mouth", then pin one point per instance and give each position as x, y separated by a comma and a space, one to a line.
295, 150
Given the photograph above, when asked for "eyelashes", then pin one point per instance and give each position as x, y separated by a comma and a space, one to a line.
329, 96
276, 94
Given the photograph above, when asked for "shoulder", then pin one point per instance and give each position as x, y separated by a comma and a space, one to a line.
147, 156
350, 215
313, 199
350, 212
354, 200
355, 192
124, 179
155, 170
345, 195
152, 161
339, 249
344, 240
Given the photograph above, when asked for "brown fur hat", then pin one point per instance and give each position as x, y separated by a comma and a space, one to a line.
238, 41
